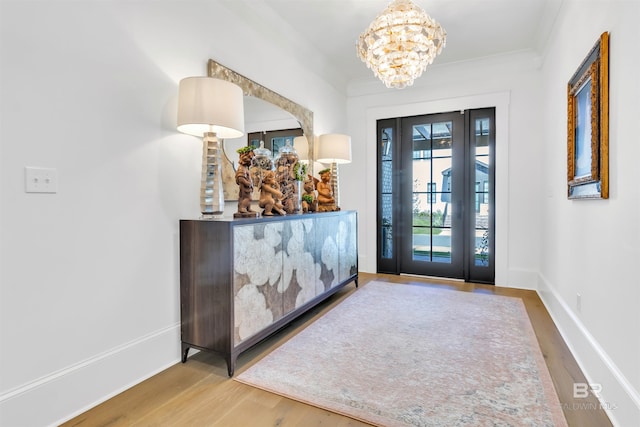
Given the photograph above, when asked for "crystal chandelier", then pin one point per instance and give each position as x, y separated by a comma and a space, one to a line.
400, 43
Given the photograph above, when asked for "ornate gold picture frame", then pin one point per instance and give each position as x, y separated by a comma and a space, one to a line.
588, 125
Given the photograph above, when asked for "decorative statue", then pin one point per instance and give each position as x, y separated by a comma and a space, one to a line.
289, 191
309, 202
270, 195
326, 201
286, 166
262, 161
245, 184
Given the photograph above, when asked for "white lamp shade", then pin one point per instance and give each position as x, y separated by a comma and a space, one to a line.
334, 148
206, 104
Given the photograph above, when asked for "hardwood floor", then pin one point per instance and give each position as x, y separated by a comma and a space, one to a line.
199, 393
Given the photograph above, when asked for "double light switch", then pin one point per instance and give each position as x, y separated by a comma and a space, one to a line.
40, 180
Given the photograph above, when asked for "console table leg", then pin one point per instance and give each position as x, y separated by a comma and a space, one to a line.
231, 364
185, 352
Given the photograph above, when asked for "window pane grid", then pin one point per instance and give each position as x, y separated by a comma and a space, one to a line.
482, 191
386, 232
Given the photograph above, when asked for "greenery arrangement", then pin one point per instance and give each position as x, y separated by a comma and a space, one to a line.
245, 149
301, 171
307, 198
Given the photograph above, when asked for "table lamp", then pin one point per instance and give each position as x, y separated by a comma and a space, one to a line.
334, 149
210, 108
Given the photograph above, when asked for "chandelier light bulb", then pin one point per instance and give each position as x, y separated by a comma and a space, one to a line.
400, 43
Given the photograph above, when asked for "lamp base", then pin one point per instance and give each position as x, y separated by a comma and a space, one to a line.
334, 184
211, 192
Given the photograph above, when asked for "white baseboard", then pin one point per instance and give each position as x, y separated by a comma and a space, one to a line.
617, 397
64, 394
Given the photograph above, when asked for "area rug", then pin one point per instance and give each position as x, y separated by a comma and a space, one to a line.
410, 355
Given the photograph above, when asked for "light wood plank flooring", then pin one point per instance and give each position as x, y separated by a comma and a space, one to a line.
199, 393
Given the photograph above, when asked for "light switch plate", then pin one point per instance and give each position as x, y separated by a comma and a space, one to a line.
40, 180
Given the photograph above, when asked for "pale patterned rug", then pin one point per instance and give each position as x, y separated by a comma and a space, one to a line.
405, 355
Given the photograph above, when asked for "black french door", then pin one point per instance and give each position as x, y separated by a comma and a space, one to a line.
436, 195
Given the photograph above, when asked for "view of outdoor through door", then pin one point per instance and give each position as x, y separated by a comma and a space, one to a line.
436, 195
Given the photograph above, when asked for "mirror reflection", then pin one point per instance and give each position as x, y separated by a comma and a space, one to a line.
265, 110
263, 122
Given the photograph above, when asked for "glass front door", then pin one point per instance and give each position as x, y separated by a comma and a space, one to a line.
435, 193
431, 193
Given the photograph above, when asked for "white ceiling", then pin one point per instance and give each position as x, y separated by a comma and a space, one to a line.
325, 31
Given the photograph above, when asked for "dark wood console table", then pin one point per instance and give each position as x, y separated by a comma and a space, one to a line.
243, 279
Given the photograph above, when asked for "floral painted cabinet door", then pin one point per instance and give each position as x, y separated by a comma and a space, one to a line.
274, 273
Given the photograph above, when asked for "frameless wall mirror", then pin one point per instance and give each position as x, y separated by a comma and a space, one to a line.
265, 110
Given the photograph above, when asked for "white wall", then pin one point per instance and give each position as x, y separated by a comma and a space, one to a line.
89, 286
511, 84
592, 247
